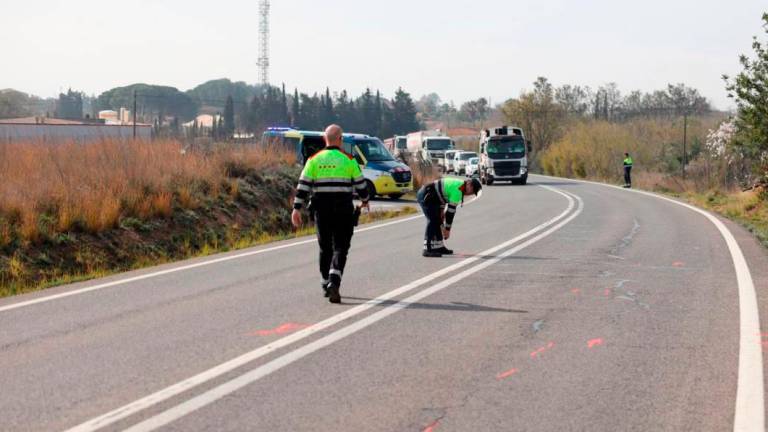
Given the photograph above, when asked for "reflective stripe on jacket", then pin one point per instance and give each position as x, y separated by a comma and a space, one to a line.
330, 174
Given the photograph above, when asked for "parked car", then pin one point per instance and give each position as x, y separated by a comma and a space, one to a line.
447, 163
471, 170
460, 160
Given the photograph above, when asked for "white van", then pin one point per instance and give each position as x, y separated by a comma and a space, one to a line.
460, 160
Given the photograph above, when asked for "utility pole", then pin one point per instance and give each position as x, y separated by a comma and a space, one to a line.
685, 142
134, 114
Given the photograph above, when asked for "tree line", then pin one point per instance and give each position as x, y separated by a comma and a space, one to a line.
545, 111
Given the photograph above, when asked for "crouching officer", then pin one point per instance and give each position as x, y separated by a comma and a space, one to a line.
331, 176
445, 193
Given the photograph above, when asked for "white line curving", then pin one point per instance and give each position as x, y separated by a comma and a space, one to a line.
750, 393
254, 375
217, 371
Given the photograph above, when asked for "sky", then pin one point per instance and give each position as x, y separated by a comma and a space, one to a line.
459, 50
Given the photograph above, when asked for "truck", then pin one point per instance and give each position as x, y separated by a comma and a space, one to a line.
503, 153
397, 145
429, 146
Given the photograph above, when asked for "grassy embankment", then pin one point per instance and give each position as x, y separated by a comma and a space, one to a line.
594, 150
72, 212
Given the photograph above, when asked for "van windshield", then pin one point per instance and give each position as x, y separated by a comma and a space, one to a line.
506, 148
373, 150
401, 143
468, 156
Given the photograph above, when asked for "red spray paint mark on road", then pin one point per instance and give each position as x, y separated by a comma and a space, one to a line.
594, 342
283, 329
432, 426
539, 351
607, 292
506, 374
678, 264
576, 291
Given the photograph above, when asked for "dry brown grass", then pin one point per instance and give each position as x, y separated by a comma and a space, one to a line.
93, 185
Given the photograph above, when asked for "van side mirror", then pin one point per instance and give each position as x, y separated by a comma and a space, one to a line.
530, 146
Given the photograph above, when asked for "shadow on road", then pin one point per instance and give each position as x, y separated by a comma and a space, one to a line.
452, 307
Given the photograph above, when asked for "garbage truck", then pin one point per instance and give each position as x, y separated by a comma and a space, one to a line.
429, 146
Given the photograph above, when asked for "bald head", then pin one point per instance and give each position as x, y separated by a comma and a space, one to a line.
333, 135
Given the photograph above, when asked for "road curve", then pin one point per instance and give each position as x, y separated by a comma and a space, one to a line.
569, 306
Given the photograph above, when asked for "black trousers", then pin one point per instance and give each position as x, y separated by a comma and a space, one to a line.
628, 175
433, 211
335, 226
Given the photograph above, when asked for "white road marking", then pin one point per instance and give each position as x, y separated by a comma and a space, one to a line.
750, 393
189, 267
182, 268
210, 374
254, 375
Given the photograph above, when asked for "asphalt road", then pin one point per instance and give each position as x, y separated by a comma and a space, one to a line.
568, 306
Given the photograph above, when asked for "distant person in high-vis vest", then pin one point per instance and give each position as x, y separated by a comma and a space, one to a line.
438, 201
628, 162
331, 177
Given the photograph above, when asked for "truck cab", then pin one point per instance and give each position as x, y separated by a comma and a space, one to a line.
398, 146
429, 147
503, 155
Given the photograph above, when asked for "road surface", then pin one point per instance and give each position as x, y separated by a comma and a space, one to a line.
568, 307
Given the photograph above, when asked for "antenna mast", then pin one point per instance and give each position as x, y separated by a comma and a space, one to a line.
264, 42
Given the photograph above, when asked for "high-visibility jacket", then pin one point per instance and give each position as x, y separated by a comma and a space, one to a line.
331, 177
628, 161
450, 192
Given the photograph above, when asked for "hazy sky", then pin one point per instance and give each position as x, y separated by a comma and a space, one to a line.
460, 50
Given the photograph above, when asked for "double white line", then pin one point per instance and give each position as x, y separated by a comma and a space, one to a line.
216, 393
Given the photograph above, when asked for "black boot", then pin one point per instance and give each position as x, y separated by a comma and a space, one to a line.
333, 293
444, 250
431, 253
324, 285
333, 289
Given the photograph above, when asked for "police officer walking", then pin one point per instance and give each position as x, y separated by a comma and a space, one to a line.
628, 162
438, 201
330, 177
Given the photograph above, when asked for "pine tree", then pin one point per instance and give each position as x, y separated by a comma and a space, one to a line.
285, 118
253, 121
367, 112
404, 114
377, 115
296, 110
229, 117
329, 116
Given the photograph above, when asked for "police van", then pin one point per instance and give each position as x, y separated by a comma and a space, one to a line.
384, 175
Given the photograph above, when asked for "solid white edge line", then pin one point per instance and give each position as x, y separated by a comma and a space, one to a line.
102, 286
259, 372
182, 386
750, 393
